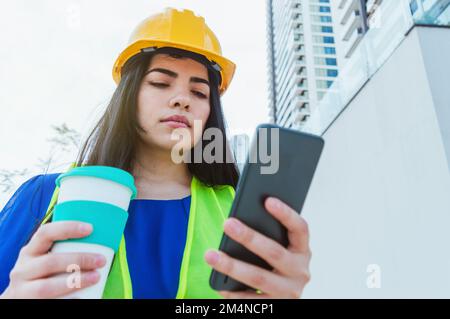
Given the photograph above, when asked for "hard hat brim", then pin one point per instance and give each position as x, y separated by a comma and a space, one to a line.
227, 66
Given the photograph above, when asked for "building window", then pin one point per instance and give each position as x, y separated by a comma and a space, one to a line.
331, 61
319, 19
326, 72
319, 39
325, 61
319, 61
324, 50
328, 40
329, 50
322, 84
324, 9
332, 73
324, 29
325, 19
321, 72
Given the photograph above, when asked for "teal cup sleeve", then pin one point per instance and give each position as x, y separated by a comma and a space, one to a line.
108, 221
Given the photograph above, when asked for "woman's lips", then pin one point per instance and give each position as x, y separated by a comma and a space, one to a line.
175, 124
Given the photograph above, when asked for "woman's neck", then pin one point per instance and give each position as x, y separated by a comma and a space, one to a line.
158, 177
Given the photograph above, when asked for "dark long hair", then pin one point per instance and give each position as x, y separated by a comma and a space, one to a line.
113, 140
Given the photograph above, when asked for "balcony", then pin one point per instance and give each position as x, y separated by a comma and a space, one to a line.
352, 42
301, 73
342, 4
354, 22
350, 6
298, 64
301, 87
299, 50
297, 14
433, 12
301, 118
302, 106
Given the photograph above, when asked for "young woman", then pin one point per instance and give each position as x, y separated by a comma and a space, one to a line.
170, 76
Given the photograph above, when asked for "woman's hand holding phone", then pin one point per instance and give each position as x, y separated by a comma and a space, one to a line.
291, 264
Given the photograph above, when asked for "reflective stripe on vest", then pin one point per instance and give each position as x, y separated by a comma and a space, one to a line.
210, 206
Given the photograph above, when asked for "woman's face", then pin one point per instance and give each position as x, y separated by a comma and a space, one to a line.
172, 87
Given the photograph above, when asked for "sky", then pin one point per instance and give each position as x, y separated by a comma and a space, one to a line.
56, 58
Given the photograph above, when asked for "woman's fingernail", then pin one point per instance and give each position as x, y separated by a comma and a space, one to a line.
85, 228
234, 226
93, 276
212, 257
100, 261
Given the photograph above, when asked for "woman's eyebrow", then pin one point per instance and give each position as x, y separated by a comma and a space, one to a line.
175, 75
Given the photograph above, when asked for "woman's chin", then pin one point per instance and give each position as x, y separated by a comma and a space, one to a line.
174, 146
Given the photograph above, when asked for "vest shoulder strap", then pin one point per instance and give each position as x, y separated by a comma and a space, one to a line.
210, 206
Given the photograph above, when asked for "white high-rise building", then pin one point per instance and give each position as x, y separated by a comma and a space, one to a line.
302, 58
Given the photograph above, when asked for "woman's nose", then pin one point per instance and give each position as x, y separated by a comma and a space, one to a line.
180, 100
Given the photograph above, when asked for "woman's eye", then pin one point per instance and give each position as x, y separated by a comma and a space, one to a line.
199, 94
163, 85
159, 85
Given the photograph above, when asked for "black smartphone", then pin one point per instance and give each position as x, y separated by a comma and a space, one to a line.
281, 162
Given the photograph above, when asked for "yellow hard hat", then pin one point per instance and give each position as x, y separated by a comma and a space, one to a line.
179, 29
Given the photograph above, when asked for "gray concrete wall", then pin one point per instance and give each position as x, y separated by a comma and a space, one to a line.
436, 60
379, 205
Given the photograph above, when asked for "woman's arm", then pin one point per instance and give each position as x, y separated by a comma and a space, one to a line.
20, 218
17, 221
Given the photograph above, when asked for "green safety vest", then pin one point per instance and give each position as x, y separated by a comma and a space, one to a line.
209, 208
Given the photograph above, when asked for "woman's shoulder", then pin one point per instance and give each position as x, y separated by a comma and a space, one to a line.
37, 189
39, 179
41, 182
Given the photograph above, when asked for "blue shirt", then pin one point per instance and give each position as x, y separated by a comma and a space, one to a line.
155, 236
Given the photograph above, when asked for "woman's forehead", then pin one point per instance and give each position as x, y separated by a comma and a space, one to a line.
181, 65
